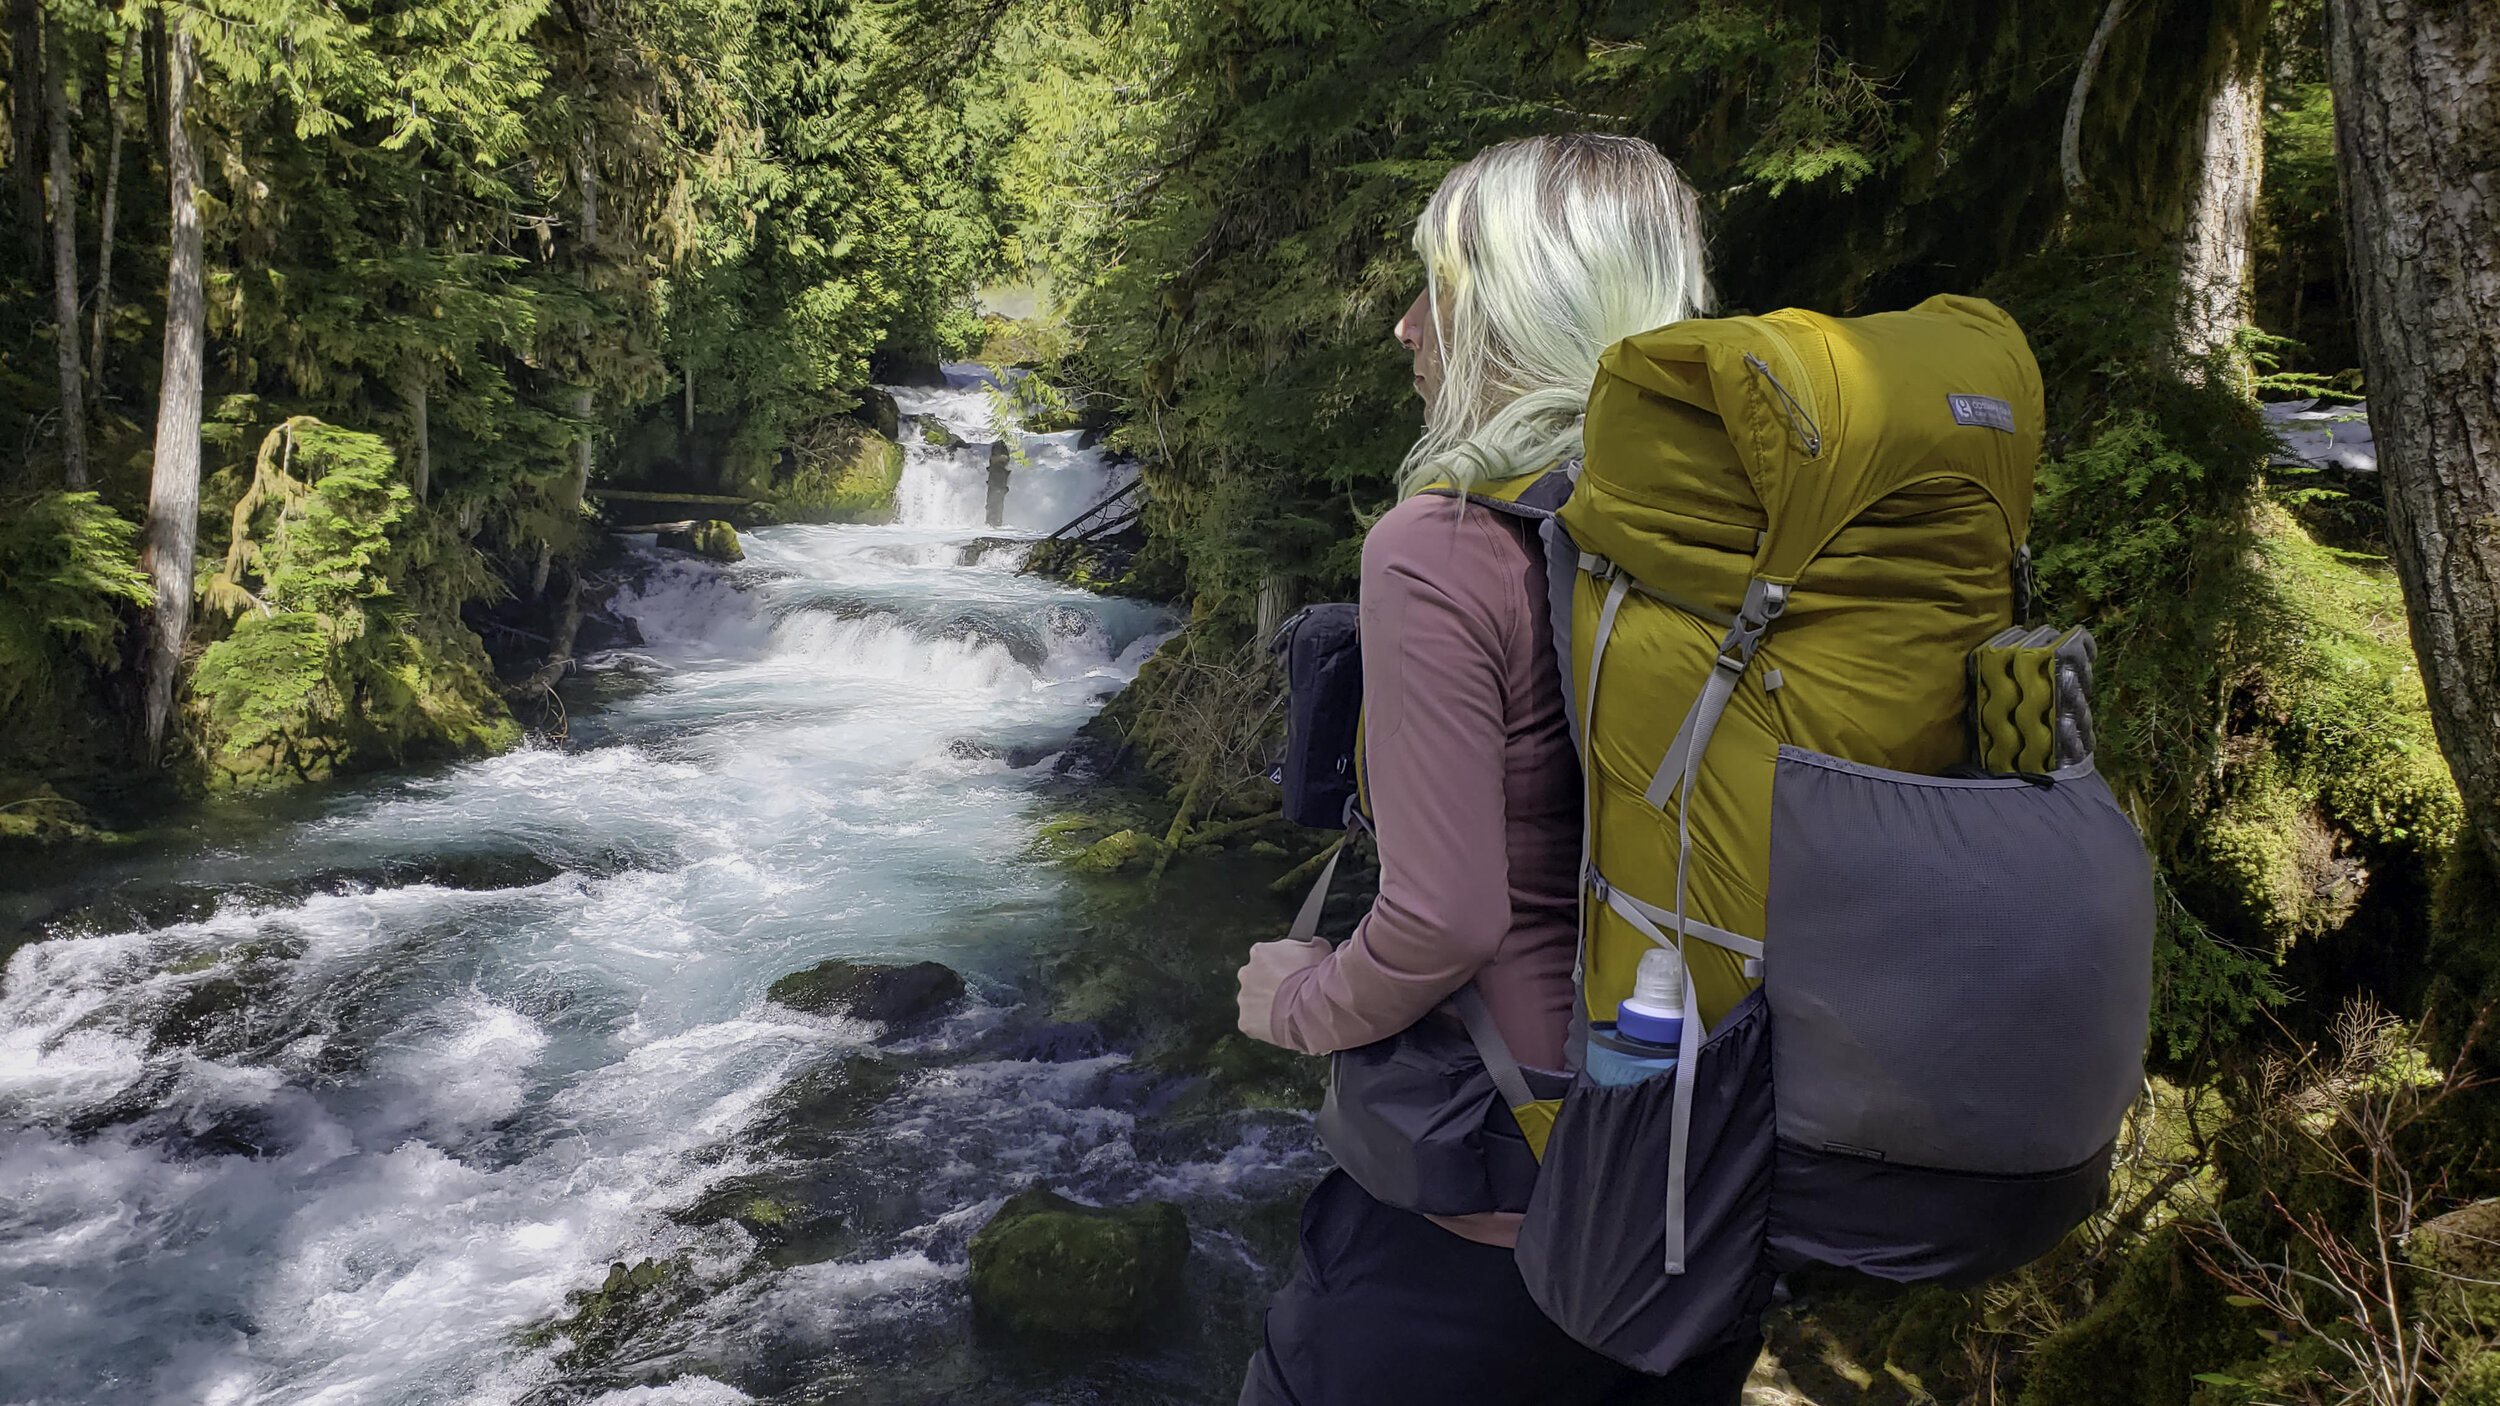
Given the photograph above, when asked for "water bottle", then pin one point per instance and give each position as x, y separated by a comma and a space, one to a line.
1642, 1040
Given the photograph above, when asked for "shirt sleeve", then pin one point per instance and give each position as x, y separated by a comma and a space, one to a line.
1437, 615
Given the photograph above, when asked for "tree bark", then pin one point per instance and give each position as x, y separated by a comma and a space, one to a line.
2217, 244
174, 490
98, 347
2417, 138
65, 267
423, 477
586, 173
2070, 140
25, 121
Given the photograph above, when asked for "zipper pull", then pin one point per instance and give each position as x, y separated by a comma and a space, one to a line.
1800, 423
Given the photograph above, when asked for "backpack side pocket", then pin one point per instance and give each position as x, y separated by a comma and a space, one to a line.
1593, 1247
1961, 970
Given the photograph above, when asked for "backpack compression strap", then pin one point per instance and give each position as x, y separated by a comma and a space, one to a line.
1677, 771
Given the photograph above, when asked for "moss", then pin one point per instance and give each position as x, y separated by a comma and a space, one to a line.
710, 538
835, 470
336, 660
629, 1300
32, 813
2145, 1341
1119, 851
1045, 1264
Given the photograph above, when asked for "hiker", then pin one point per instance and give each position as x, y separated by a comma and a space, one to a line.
1538, 256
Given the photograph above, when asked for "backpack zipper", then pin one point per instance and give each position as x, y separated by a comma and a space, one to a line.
1800, 418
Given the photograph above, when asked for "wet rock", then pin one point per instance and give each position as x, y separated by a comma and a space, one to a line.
1115, 852
809, 1115
974, 552
933, 431
630, 1300
894, 996
878, 412
711, 538
1063, 1042
1046, 1265
973, 749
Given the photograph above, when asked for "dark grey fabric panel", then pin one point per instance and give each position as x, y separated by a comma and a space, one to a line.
1562, 576
1415, 1120
1593, 1246
1961, 969
1913, 1225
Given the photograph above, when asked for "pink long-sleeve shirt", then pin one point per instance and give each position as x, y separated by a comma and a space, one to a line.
1475, 795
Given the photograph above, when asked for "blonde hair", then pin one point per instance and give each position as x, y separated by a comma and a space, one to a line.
1538, 256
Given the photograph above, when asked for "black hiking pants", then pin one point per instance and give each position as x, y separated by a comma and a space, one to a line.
1388, 1309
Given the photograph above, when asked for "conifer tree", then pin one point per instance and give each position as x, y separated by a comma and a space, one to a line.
65, 330
173, 525
2417, 136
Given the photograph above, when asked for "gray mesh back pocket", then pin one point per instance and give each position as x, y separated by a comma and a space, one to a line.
1961, 973
1416, 1121
1592, 1249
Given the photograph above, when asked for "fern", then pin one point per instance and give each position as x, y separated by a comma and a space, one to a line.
68, 574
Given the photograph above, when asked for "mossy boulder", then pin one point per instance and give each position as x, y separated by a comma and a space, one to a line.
1047, 1265
1118, 851
710, 538
33, 813
894, 996
2465, 1242
632, 1299
835, 469
933, 431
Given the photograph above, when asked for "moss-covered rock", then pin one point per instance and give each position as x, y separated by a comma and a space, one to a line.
895, 996
1045, 1264
835, 469
710, 538
283, 699
1119, 850
32, 813
631, 1299
934, 432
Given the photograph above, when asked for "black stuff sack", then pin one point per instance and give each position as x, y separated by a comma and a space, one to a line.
1322, 653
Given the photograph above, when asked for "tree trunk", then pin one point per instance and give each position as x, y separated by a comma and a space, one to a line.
98, 347
174, 490
65, 267
2417, 138
586, 172
423, 475
2070, 139
25, 121
2216, 245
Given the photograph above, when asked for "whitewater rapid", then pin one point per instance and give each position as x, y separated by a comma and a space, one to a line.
364, 1141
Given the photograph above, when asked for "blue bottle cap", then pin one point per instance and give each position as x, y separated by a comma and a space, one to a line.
1635, 1024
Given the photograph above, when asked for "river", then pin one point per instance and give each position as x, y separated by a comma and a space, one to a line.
357, 1097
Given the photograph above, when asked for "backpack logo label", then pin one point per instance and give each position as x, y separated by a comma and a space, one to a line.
1982, 411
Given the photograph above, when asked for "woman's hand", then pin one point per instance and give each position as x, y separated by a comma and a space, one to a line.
1269, 965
